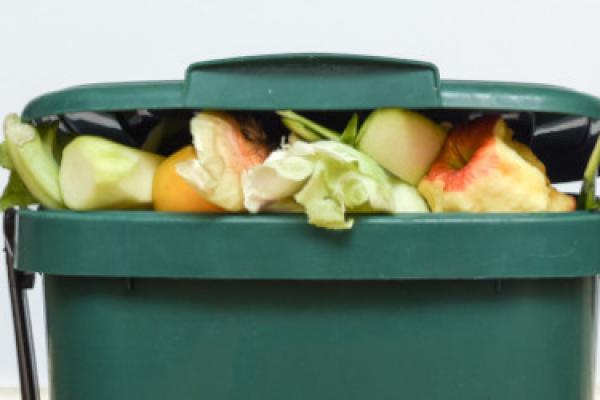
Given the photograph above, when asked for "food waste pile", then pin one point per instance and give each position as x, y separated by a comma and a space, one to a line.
393, 161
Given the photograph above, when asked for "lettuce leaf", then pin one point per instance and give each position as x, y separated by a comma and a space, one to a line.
328, 179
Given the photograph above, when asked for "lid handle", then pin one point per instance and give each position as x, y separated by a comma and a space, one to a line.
311, 82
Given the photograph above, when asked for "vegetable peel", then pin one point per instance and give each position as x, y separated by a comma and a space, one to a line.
29, 151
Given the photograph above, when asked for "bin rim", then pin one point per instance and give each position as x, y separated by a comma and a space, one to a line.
139, 244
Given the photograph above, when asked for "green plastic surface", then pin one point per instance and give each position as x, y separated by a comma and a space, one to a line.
296, 340
312, 82
517, 97
419, 246
228, 307
106, 97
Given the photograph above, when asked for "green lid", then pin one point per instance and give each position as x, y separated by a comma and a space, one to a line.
312, 82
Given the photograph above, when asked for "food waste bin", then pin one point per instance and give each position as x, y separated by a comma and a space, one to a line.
153, 305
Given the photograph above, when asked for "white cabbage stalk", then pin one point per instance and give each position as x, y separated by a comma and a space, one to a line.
328, 179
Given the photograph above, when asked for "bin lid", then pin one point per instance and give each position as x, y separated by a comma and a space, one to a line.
313, 82
142, 244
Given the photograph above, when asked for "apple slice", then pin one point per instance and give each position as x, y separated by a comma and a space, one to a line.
403, 142
96, 173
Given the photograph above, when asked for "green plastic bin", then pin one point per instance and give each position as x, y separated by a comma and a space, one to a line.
147, 305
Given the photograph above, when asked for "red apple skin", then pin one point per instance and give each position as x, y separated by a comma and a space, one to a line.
481, 169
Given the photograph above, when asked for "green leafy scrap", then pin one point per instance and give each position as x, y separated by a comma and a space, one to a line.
307, 129
351, 131
587, 197
16, 193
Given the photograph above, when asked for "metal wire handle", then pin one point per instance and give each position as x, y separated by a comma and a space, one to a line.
19, 282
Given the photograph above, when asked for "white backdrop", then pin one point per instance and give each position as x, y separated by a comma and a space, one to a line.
48, 45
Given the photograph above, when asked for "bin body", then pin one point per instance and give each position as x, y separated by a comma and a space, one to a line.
145, 305
233, 340
267, 307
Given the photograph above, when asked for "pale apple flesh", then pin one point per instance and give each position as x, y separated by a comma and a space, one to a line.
403, 142
96, 173
482, 169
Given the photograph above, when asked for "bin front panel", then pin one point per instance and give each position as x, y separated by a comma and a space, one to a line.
231, 340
